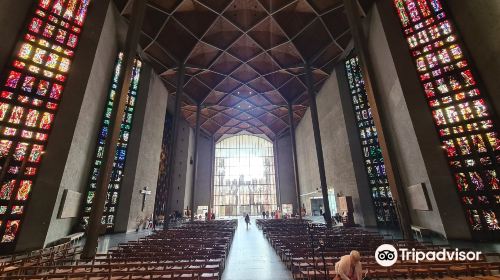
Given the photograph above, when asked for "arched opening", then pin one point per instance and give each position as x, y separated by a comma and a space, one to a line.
244, 176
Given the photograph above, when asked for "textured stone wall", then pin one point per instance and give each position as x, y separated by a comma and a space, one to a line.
339, 167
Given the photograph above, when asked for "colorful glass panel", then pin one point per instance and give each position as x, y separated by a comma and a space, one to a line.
121, 149
41, 52
372, 155
162, 184
459, 107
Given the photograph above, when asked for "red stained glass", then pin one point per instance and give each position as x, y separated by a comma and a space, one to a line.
13, 79
463, 185
6, 94
23, 99
19, 64
35, 25
46, 121
13, 170
450, 148
48, 31
27, 134
82, 12
56, 91
61, 36
31, 118
46, 49
43, 88
58, 6
51, 106
6, 189
20, 151
4, 107
30, 171
492, 179
41, 137
36, 153
71, 9
24, 190
72, 40
17, 210
439, 117
424, 8
491, 220
28, 83
44, 4
16, 115
11, 230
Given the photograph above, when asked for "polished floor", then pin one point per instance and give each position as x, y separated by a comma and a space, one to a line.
252, 257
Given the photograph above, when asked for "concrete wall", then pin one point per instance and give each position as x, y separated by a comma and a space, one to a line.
286, 177
419, 156
182, 169
338, 159
204, 176
479, 26
143, 156
62, 153
13, 16
80, 156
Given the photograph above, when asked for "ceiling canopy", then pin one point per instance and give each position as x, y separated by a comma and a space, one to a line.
244, 59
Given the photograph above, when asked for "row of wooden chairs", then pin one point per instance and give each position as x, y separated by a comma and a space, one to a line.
310, 251
192, 251
43, 257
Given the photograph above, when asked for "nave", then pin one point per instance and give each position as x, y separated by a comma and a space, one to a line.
277, 249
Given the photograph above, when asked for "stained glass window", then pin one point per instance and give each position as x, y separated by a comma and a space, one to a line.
244, 178
459, 107
40, 65
162, 186
372, 154
121, 149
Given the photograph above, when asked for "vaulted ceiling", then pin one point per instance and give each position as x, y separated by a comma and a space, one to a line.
244, 59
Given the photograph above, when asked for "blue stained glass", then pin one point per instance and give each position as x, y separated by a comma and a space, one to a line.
374, 163
121, 150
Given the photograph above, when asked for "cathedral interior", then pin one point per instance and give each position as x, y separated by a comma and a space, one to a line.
249, 139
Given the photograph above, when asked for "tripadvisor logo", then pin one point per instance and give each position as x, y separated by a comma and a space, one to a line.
387, 255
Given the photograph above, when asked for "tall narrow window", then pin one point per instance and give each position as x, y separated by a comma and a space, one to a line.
32, 87
244, 180
113, 194
372, 154
162, 186
460, 110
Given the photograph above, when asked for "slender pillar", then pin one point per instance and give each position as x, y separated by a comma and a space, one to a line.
294, 157
195, 160
276, 173
119, 104
212, 177
319, 148
353, 15
175, 127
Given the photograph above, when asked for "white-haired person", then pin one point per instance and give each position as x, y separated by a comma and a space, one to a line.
349, 267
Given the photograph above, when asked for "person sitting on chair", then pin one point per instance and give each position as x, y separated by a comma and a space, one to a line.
349, 267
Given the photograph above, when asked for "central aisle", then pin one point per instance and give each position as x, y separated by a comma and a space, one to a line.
252, 257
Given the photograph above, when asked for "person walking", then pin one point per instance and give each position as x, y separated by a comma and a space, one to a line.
247, 220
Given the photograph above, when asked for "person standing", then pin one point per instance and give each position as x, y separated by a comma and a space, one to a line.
247, 220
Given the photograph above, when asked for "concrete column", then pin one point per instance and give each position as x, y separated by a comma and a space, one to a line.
319, 148
195, 160
120, 101
212, 170
276, 172
397, 191
175, 131
294, 157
